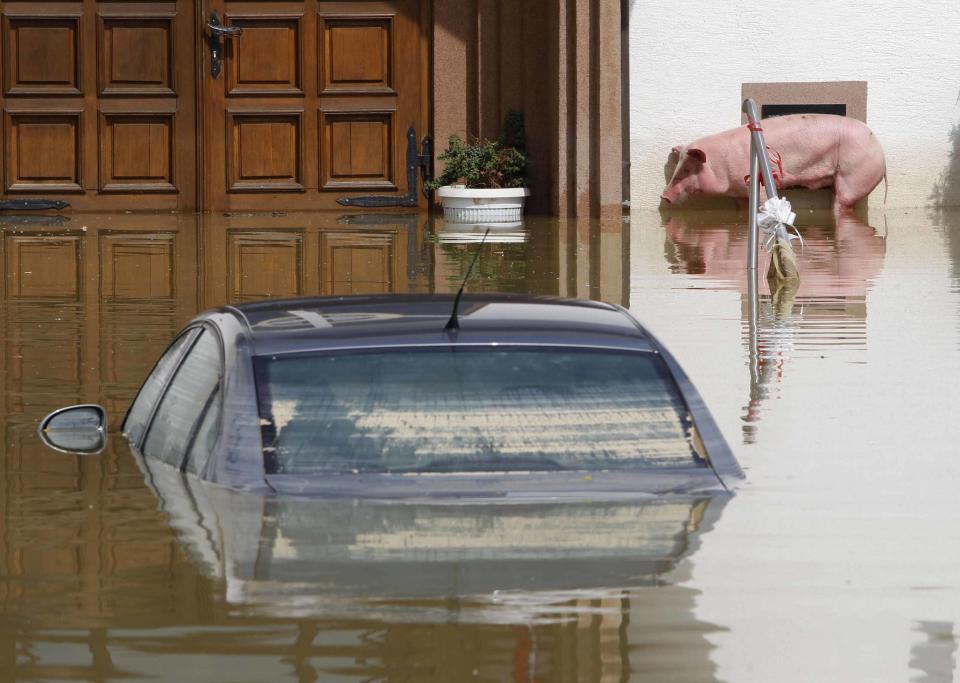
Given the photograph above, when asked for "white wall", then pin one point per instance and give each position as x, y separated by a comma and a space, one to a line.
689, 59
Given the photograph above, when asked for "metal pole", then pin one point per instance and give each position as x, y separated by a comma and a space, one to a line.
756, 137
753, 341
753, 326
753, 285
759, 163
752, 236
753, 294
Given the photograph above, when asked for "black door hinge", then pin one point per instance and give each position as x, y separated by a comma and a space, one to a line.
422, 160
32, 204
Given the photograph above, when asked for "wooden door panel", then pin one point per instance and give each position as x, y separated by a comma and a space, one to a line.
266, 58
43, 152
42, 55
357, 55
137, 56
265, 152
312, 106
137, 153
357, 151
99, 102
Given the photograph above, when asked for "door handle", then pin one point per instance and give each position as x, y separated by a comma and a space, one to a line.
224, 30
215, 41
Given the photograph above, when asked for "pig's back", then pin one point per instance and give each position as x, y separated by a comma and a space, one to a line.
815, 148
803, 139
812, 148
818, 131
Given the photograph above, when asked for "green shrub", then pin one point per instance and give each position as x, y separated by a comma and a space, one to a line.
514, 132
487, 163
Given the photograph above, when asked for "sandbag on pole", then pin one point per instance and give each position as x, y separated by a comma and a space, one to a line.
775, 221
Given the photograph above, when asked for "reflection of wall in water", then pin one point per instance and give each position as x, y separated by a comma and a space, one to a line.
935, 655
585, 259
234, 647
88, 305
253, 257
949, 220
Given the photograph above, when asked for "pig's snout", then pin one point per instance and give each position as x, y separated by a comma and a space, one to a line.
666, 199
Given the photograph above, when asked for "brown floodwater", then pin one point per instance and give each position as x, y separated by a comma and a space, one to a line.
836, 560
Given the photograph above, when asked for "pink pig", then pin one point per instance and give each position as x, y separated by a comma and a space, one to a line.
817, 150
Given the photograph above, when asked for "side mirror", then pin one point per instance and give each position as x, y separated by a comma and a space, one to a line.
77, 429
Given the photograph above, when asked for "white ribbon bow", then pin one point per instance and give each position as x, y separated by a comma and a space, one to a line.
776, 221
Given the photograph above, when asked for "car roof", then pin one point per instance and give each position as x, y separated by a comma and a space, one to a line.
323, 323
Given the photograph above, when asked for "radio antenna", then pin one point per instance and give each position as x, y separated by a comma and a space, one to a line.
454, 323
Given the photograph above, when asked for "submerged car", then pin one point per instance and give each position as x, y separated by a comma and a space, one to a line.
392, 397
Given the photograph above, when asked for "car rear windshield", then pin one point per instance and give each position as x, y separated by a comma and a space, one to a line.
471, 409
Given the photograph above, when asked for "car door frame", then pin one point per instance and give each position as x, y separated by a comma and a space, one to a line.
196, 329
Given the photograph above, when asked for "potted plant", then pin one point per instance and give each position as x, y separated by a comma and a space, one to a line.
485, 181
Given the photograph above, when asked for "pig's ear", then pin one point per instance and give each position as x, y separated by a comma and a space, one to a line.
697, 154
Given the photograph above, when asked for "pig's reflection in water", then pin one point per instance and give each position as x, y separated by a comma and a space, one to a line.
498, 562
838, 261
839, 258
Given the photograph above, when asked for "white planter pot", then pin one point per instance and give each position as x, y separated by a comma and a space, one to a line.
463, 205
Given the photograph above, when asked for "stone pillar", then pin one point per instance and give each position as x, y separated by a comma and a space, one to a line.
454, 69
609, 112
558, 61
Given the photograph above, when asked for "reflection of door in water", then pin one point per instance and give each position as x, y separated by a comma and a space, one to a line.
357, 263
85, 313
248, 257
264, 263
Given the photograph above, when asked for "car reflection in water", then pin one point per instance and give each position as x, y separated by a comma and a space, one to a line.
498, 562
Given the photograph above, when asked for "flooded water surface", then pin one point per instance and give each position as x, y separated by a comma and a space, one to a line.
835, 560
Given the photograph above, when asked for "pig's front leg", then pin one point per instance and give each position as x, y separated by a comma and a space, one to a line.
846, 195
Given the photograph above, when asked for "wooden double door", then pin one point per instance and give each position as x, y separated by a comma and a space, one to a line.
127, 104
